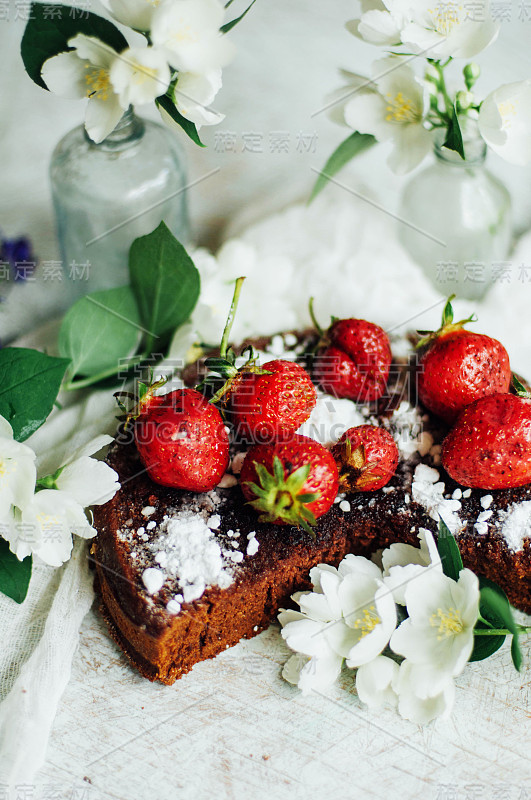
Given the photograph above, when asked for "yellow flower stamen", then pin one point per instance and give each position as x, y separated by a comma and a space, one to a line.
399, 109
507, 111
445, 17
98, 82
368, 621
448, 621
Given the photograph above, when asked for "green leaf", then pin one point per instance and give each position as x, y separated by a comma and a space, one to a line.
165, 281
14, 574
51, 26
347, 150
485, 646
452, 562
188, 127
495, 608
229, 25
99, 330
29, 384
454, 137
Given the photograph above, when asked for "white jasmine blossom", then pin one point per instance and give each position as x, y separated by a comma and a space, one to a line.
139, 75
85, 73
439, 631
194, 93
380, 23
188, 32
444, 30
312, 674
136, 14
403, 563
350, 615
44, 527
393, 110
374, 682
17, 471
88, 481
415, 701
505, 122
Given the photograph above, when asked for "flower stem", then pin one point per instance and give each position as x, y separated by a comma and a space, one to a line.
442, 87
501, 631
230, 318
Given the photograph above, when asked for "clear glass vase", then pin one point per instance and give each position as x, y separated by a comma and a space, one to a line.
456, 221
106, 195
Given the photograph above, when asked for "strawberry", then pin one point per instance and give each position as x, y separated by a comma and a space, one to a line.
490, 445
366, 458
459, 367
182, 440
290, 483
355, 360
272, 405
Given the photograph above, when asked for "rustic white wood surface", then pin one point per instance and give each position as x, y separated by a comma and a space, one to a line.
234, 729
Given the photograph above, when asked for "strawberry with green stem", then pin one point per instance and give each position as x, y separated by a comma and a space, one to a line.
290, 483
180, 437
353, 359
458, 366
366, 458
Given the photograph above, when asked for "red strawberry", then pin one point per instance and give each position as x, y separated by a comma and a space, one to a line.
356, 361
459, 367
290, 483
267, 407
490, 445
366, 457
182, 441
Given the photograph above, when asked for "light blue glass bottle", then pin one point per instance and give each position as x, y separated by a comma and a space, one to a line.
106, 195
456, 220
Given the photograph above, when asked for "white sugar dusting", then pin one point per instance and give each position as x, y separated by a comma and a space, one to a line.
185, 548
428, 492
153, 580
330, 418
516, 524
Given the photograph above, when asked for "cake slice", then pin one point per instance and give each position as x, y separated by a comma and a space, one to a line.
183, 576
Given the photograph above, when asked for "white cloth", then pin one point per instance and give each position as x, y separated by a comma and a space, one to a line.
50, 633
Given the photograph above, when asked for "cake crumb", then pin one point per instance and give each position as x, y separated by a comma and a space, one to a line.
486, 501
467, 493
147, 511
227, 481
151, 525
344, 505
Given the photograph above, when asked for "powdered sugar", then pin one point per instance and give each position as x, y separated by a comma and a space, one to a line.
406, 427
185, 548
516, 524
428, 492
330, 418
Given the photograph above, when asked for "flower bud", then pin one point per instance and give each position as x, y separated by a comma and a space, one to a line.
471, 74
464, 100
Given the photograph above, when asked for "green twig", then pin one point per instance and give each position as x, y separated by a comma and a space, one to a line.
230, 318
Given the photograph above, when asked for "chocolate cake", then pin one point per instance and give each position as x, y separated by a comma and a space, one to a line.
182, 576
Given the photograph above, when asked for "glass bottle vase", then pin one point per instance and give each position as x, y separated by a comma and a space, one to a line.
106, 195
456, 221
